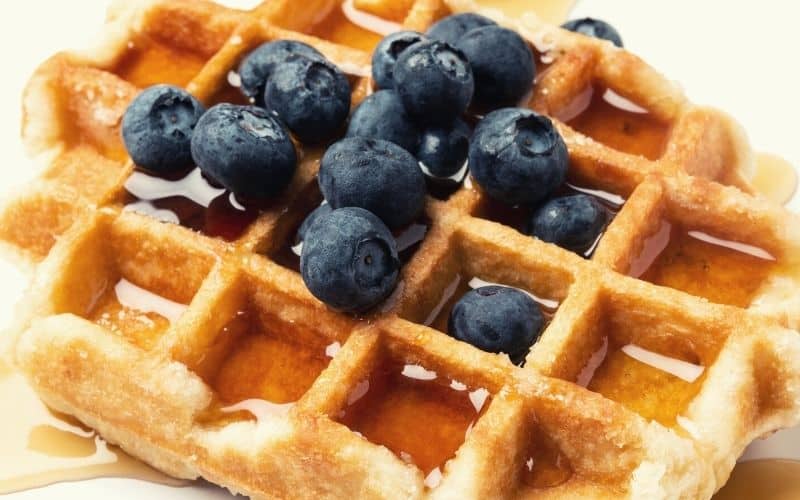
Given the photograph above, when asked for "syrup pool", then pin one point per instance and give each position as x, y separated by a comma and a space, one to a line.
261, 365
723, 271
419, 415
544, 466
41, 447
655, 385
134, 313
609, 118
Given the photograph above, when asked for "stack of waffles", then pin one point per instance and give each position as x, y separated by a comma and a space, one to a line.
195, 346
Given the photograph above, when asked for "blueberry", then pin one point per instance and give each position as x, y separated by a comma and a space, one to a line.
594, 28
245, 149
376, 175
502, 65
386, 53
382, 116
323, 209
157, 128
349, 260
517, 156
497, 319
312, 97
451, 28
257, 67
443, 151
434, 81
572, 222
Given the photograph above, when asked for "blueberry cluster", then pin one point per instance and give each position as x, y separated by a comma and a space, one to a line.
412, 129
246, 149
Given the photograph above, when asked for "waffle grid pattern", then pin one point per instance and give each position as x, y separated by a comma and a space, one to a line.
160, 389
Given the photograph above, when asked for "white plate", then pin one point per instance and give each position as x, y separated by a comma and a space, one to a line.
738, 56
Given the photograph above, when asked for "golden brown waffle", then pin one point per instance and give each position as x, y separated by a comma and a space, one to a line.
385, 406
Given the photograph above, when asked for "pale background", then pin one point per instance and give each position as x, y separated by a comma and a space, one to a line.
739, 56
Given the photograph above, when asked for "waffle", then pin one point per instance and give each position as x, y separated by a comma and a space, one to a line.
201, 352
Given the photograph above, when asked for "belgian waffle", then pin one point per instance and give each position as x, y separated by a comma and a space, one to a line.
207, 357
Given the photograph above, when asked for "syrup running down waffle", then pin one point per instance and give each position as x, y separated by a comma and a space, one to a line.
171, 318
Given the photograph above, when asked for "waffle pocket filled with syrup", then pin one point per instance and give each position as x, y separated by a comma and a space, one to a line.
173, 318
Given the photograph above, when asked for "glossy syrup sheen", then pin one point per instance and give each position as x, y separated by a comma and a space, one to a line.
223, 216
148, 61
337, 28
40, 447
141, 326
652, 393
637, 133
545, 466
518, 216
716, 272
259, 359
422, 421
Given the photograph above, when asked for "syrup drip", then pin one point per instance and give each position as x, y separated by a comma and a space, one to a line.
775, 178
41, 447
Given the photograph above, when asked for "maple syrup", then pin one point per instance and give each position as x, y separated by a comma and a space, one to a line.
544, 466
549, 11
764, 479
419, 415
340, 28
192, 201
148, 61
518, 216
775, 178
607, 117
42, 447
655, 385
261, 358
135, 314
230, 92
723, 271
